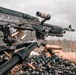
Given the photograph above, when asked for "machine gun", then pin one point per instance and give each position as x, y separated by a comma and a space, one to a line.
21, 21
26, 22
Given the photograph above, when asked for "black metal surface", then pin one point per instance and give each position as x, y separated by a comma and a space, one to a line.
12, 48
8, 65
25, 52
17, 58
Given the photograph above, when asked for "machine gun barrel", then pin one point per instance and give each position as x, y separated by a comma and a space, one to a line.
18, 57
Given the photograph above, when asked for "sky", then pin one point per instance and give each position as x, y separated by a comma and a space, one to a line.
63, 12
